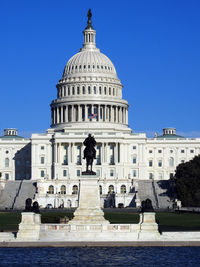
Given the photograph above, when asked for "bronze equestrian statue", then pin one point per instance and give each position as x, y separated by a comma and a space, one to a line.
89, 154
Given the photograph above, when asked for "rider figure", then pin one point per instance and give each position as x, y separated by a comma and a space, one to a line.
90, 144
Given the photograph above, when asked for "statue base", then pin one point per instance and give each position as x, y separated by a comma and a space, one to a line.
89, 210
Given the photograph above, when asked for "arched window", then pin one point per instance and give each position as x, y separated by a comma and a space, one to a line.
123, 189
63, 189
51, 189
95, 90
6, 162
110, 188
75, 190
83, 90
171, 162
100, 190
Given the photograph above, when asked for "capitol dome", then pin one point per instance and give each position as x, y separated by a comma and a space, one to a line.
90, 61
89, 94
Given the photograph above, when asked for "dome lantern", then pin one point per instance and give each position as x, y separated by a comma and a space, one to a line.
89, 34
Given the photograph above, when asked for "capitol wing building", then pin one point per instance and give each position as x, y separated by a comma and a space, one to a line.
130, 166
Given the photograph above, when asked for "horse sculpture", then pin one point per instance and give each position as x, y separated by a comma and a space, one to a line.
89, 154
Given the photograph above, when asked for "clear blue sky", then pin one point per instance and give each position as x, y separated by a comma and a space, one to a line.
154, 45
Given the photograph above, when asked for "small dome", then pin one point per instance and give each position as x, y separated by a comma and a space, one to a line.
89, 61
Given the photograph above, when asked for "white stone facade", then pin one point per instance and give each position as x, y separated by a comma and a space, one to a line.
89, 99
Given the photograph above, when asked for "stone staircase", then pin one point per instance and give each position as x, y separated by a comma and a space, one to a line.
14, 194
27, 190
8, 193
157, 191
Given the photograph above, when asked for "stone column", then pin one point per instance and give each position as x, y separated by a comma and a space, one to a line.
115, 153
66, 114
112, 113
58, 158
54, 115
102, 153
72, 151
98, 113
86, 113
119, 114
72, 114
106, 153
79, 113
61, 114
69, 153
57, 114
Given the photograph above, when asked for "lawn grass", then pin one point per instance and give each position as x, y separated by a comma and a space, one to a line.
167, 221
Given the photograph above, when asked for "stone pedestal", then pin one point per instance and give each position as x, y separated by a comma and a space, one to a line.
29, 228
148, 226
89, 210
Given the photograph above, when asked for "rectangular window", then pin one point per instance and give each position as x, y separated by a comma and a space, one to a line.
78, 159
78, 172
111, 173
160, 176
159, 151
134, 173
182, 151
111, 160
150, 151
134, 147
160, 163
134, 160
150, 175
191, 151
64, 173
150, 163
42, 173
98, 160
183, 161
7, 176
42, 160
42, 147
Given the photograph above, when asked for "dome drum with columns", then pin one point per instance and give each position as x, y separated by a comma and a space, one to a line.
89, 88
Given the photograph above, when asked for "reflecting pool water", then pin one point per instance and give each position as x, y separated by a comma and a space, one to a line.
101, 256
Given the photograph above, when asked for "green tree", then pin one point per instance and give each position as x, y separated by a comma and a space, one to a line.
187, 180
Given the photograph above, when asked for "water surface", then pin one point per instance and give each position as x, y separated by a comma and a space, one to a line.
101, 256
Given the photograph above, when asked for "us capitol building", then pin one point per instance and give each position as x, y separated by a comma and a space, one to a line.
130, 166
